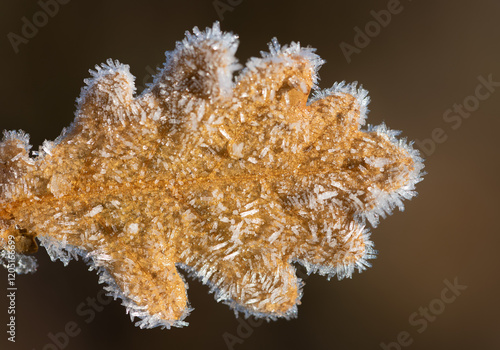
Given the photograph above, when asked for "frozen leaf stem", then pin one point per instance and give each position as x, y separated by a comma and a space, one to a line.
231, 178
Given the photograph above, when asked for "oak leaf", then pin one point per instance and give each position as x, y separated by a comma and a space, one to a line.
231, 179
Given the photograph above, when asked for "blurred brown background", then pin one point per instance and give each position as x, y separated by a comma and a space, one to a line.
426, 60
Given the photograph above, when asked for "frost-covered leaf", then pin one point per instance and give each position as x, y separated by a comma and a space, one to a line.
229, 179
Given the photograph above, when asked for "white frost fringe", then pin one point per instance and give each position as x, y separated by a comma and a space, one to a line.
342, 88
58, 250
387, 202
224, 296
23, 264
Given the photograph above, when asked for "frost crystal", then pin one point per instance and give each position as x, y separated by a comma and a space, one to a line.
231, 179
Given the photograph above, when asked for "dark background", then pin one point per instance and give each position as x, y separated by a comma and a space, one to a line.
426, 60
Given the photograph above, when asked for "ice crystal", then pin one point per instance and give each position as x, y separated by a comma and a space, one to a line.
231, 179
